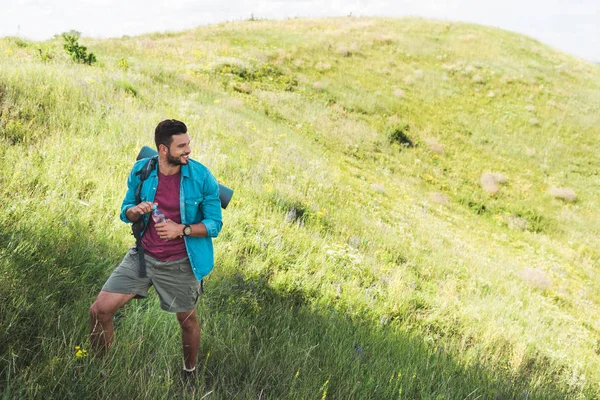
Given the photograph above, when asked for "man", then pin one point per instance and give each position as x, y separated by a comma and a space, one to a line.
178, 252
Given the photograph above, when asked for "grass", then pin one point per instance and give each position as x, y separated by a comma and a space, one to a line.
351, 265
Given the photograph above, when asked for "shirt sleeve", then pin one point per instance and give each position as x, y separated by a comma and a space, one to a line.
211, 206
129, 201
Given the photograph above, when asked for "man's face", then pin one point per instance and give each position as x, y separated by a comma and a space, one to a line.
179, 151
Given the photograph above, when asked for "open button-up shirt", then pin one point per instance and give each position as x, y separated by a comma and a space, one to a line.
199, 202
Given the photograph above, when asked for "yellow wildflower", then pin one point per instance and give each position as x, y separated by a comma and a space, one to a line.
80, 353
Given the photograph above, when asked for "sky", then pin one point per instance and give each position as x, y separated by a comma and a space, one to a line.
572, 26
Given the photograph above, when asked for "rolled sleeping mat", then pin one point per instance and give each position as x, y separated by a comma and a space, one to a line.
225, 193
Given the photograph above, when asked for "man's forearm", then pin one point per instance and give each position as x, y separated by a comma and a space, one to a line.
132, 215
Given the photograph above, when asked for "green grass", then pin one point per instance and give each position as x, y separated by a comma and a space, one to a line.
351, 265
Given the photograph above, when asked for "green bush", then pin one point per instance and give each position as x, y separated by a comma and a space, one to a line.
77, 52
45, 52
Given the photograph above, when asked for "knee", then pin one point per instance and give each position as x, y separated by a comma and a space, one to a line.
98, 311
188, 324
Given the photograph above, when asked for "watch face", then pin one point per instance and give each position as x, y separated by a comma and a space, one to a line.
187, 230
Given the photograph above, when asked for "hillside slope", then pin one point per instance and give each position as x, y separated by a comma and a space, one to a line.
414, 199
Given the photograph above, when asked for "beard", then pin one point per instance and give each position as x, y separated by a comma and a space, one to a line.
175, 160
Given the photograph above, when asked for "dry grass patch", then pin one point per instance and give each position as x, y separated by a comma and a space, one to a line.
383, 39
339, 109
434, 146
439, 198
478, 79
322, 66
243, 87
491, 181
517, 223
565, 194
399, 93
348, 50
467, 38
536, 278
233, 103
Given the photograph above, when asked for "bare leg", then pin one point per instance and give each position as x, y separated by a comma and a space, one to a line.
101, 314
190, 337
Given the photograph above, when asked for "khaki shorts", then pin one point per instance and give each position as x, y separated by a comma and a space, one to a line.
174, 281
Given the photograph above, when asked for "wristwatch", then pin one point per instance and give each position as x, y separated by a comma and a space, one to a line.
187, 230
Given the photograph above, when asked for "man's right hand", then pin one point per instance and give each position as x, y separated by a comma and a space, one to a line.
134, 213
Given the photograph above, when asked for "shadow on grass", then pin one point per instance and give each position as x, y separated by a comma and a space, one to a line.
258, 342
46, 269
264, 343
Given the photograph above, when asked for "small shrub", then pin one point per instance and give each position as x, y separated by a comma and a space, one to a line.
123, 64
77, 52
532, 221
20, 43
398, 133
295, 210
265, 75
45, 53
477, 207
230, 66
127, 88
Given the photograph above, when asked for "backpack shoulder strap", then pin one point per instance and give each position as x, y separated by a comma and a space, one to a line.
143, 174
138, 227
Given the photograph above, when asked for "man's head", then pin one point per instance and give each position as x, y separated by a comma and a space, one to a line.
172, 141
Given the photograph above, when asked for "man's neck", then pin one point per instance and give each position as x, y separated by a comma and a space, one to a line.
167, 169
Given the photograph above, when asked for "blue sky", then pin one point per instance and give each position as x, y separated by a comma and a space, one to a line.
570, 26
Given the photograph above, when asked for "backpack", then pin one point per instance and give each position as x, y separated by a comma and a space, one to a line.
138, 226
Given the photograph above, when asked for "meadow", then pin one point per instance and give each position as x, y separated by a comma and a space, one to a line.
416, 212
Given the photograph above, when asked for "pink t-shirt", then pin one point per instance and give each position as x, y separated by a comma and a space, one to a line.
167, 198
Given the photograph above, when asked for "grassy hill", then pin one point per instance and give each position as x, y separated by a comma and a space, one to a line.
416, 211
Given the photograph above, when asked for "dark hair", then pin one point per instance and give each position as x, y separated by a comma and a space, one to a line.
163, 134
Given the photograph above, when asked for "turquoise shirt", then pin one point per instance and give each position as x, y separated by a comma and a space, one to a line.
198, 202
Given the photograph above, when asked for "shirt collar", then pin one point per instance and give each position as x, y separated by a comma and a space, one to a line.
185, 170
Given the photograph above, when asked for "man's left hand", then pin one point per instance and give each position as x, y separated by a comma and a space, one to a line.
169, 230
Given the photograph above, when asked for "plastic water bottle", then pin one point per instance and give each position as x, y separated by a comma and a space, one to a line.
158, 215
